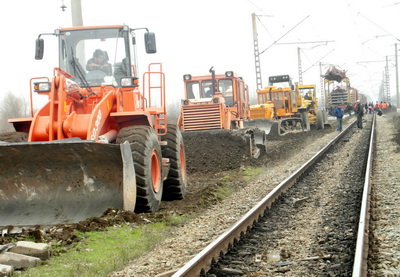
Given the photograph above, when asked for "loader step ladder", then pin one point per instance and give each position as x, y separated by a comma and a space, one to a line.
154, 96
160, 124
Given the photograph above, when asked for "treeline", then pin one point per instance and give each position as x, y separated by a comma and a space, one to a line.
11, 106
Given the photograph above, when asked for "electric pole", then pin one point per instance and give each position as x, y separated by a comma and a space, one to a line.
256, 53
256, 50
76, 12
397, 77
386, 97
299, 66
322, 84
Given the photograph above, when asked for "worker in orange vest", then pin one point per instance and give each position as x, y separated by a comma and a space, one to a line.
376, 106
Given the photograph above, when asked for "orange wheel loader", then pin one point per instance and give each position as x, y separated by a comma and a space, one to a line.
99, 141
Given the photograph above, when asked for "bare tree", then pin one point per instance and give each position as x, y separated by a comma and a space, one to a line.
12, 106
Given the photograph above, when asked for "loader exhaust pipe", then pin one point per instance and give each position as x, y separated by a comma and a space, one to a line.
214, 82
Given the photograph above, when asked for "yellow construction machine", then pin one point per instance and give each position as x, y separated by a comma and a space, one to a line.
279, 109
308, 94
98, 141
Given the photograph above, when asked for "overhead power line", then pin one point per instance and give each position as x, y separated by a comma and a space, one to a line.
319, 60
305, 42
379, 26
285, 34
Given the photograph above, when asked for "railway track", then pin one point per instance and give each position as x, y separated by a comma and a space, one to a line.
312, 223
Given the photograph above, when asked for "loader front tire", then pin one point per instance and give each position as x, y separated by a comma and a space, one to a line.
146, 153
176, 182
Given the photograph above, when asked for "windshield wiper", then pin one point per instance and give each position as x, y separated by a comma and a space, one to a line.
80, 75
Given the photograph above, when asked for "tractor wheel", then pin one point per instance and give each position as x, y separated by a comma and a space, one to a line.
320, 120
146, 153
176, 182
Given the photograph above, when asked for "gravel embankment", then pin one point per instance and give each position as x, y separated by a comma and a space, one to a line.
384, 238
187, 241
312, 229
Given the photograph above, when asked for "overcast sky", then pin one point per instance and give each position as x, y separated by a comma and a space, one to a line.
194, 35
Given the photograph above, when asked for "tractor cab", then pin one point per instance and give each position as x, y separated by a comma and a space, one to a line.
279, 94
231, 88
221, 101
308, 95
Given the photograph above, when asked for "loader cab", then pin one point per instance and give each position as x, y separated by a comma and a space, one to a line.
308, 92
79, 46
308, 96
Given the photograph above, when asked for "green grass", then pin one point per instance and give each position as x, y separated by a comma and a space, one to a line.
250, 172
100, 253
223, 192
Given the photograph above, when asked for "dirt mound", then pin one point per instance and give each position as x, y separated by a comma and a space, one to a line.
14, 137
215, 151
64, 233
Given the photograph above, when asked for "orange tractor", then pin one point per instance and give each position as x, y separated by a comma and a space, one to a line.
99, 141
219, 103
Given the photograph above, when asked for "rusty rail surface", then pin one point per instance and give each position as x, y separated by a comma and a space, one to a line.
361, 254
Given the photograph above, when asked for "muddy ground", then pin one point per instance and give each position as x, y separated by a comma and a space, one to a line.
207, 163
209, 160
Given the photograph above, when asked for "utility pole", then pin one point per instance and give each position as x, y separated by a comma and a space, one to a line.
76, 12
256, 53
387, 83
397, 77
299, 66
256, 50
321, 79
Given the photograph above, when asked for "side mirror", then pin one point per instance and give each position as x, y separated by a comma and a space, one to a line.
150, 42
39, 50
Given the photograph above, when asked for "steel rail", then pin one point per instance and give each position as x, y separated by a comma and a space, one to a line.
361, 253
203, 260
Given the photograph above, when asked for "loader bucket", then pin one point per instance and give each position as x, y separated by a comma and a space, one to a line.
270, 127
47, 183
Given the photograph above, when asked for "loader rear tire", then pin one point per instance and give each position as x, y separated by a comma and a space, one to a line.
176, 182
146, 153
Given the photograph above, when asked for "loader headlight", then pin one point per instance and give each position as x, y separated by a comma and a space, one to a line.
187, 77
229, 74
215, 100
41, 87
185, 102
129, 82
